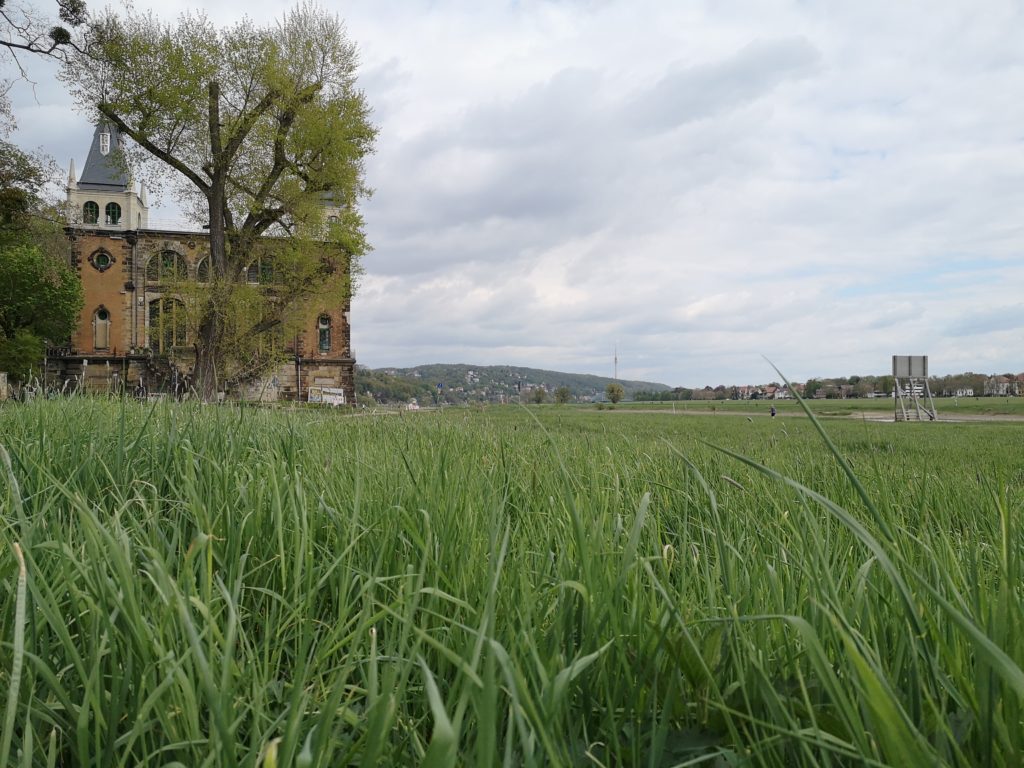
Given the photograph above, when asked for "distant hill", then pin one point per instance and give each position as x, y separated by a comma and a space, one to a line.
491, 383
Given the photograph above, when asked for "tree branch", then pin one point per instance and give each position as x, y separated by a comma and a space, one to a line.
51, 41
144, 142
235, 142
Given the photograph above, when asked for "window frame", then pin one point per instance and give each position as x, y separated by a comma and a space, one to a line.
166, 327
166, 265
112, 221
96, 258
203, 266
259, 271
96, 322
324, 328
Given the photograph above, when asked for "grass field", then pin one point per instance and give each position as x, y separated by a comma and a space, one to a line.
185, 585
948, 408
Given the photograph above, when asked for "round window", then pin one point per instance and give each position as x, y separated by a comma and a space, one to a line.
101, 260
103, 315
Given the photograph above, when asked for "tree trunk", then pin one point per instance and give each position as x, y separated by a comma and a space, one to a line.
207, 352
210, 333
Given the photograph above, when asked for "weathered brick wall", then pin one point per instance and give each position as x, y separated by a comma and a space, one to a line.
103, 288
123, 289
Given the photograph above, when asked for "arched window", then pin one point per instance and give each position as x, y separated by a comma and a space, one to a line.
101, 328
113, 212
323, 330
203, 271
166, 325
167, 265
259, 272
90, 212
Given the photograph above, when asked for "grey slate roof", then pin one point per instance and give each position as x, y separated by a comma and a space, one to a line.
105, 172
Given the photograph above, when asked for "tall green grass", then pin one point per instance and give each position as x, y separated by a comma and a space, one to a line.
238, 587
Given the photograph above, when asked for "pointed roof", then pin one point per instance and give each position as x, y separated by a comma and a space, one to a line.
105, 170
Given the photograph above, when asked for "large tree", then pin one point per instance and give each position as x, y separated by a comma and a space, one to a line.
22, 176
261, 129
40, 298
40, 295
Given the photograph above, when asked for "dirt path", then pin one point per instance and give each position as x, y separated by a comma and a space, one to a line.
877, 416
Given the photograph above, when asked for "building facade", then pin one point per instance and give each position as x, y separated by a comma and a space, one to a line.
132, 328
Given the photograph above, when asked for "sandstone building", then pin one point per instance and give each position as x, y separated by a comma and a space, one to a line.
132, 327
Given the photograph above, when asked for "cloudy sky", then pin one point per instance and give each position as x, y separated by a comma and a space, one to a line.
701, 184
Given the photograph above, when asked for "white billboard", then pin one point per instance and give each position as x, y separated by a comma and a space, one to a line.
326, 395
910, 366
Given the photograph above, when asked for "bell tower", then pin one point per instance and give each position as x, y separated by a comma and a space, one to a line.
104, 197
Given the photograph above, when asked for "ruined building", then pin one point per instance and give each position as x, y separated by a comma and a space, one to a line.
132, 327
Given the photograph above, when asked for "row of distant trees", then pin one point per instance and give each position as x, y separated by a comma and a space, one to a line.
614, 392
839, 387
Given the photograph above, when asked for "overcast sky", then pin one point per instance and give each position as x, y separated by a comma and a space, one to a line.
703, 184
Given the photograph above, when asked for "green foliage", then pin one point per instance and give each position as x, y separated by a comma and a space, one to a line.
37, 294
72, 12
40, 296
21, 355
676, 394
539, 395
381, 387
293, 128
208, 585
21, 178
614, 392
25, 217
562, 395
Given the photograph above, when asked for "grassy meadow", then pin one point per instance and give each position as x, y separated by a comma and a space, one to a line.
186, 585
948, 408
